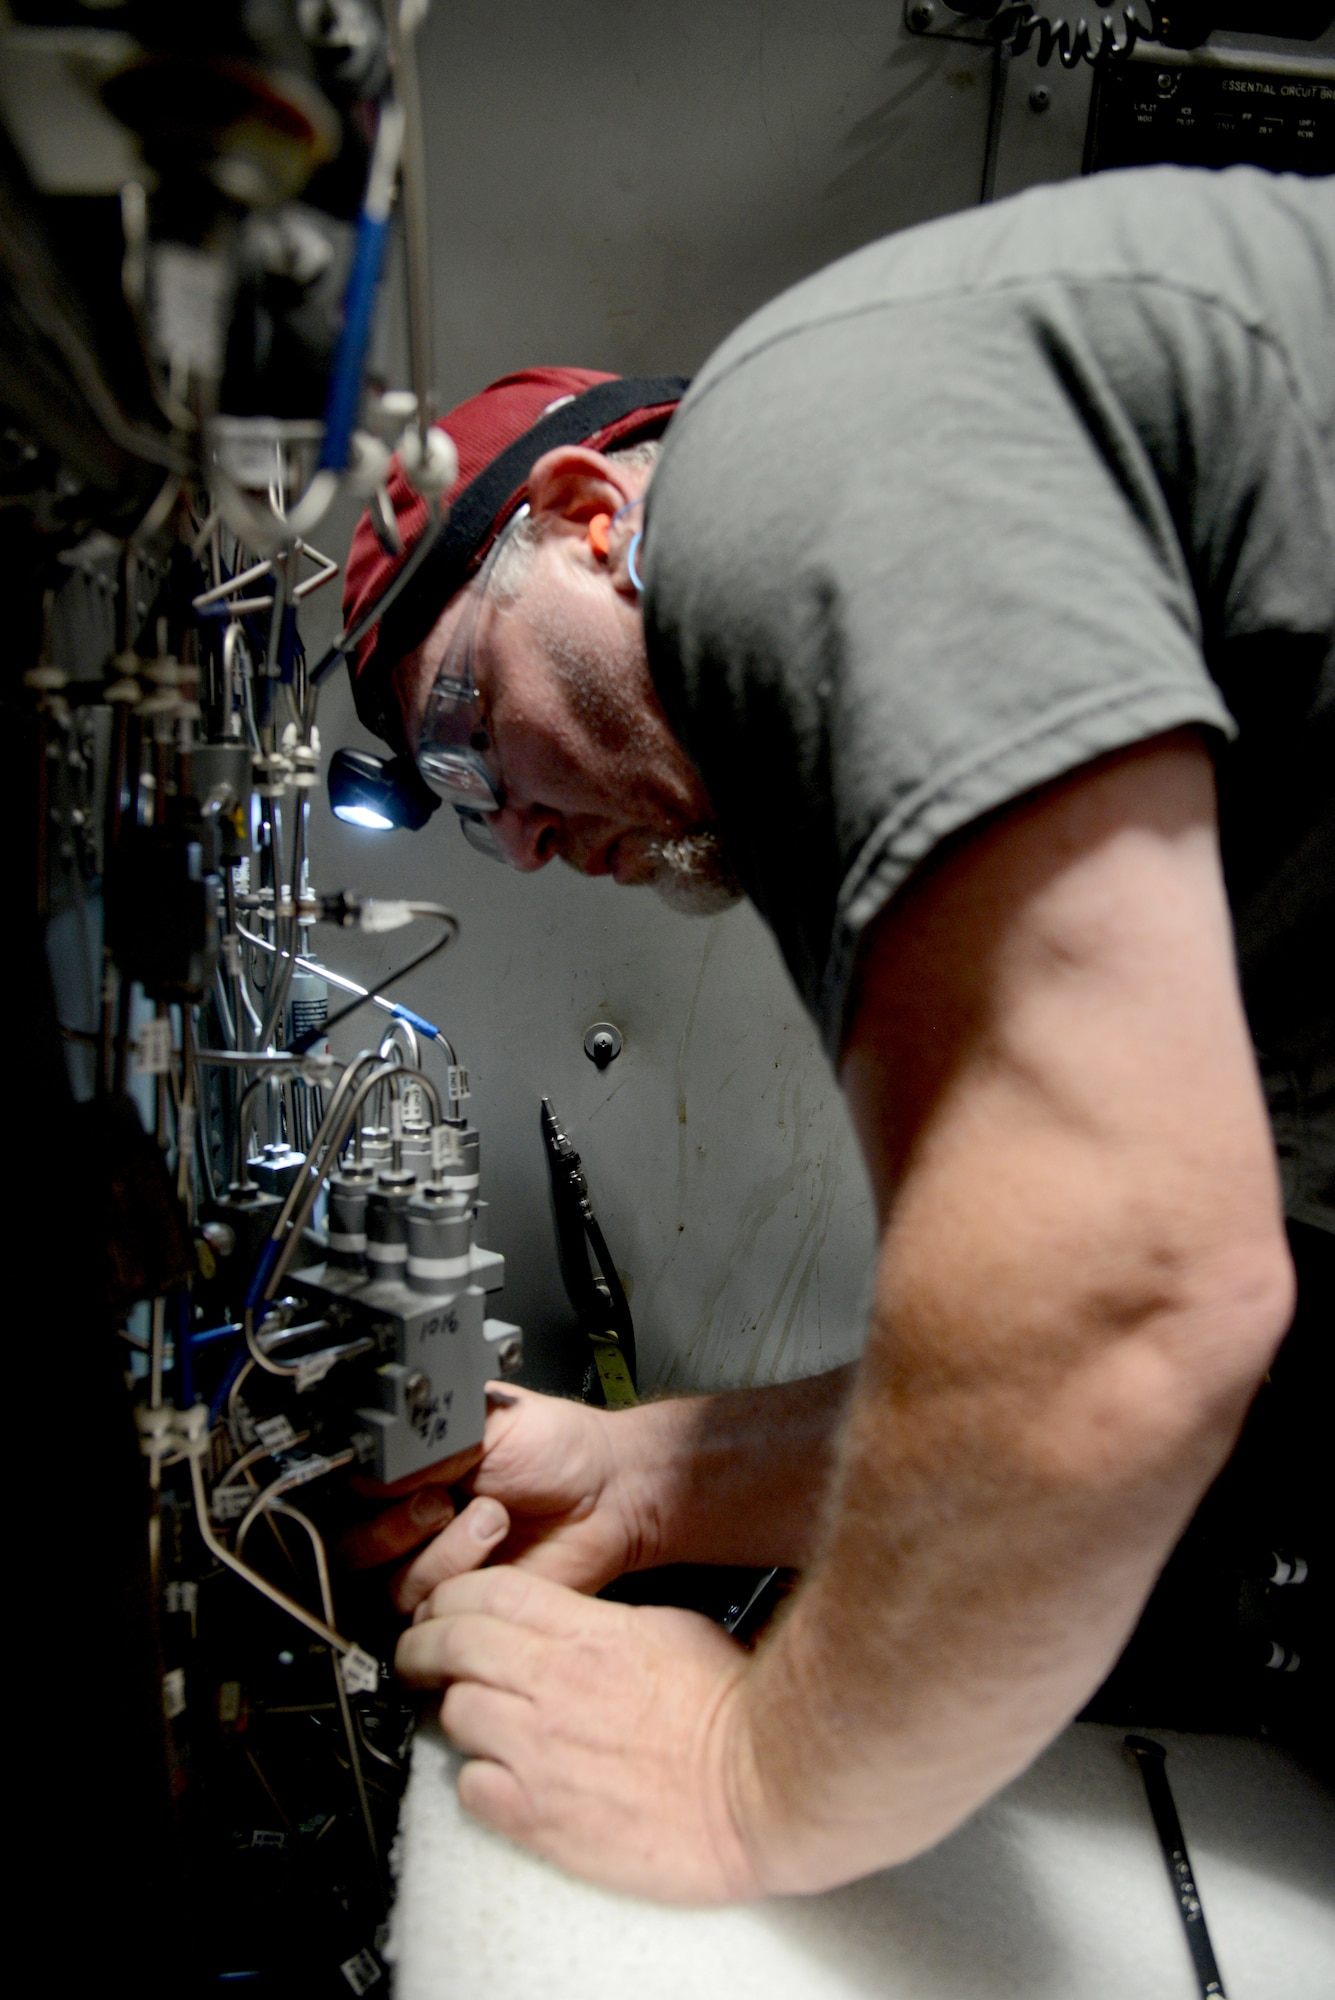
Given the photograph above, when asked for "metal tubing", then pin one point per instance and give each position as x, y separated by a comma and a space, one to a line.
221, 1553
416, 234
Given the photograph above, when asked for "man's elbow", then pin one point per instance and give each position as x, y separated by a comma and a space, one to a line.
1168, 1397
1225, 1334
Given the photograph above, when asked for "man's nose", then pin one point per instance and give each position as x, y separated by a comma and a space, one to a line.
528, 836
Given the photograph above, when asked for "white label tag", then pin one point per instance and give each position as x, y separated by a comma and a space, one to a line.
275, 1433
268, 1837
310, 1468
153, 1048
396, 1118
182, 1597
447, 1149
231, 953
173, 1693
361, 1972
314, 1368
189, 287
229, 1503
458, 1082
360, 1673
414, 1105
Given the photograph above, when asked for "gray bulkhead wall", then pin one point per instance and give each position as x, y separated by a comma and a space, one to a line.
615, 185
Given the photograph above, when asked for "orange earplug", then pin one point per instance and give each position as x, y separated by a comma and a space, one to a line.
598, 528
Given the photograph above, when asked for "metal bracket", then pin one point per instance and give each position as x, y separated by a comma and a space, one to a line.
934, 17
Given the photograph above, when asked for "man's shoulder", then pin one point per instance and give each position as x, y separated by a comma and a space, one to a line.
1260, 247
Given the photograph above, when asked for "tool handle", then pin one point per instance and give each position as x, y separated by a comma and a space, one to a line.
1152, 1758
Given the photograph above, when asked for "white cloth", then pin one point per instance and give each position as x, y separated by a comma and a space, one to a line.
1055, 1891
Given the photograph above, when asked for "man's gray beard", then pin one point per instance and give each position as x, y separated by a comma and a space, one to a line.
692, 872
693, 875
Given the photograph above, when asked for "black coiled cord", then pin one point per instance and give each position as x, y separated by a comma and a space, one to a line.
1015, 25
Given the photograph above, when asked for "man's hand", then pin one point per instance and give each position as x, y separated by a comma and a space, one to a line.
591, 1494
569, 1503
408, 1511
601, 1735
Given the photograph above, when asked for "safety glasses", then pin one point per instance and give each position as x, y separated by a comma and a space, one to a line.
455, 754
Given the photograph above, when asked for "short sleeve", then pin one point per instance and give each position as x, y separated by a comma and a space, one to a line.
911, 562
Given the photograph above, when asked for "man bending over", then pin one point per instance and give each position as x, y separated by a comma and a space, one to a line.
976, 620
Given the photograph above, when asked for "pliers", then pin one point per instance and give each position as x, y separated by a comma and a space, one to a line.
596, 1292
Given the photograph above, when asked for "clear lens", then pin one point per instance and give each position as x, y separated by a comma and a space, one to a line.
479, 833
459, 777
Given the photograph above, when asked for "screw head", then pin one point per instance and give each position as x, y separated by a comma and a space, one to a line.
417, 1393
921, 16
1040, 97
602, 1043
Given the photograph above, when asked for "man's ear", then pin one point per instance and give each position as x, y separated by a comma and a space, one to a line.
571, 484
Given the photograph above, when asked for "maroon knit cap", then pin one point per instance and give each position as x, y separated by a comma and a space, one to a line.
499, 436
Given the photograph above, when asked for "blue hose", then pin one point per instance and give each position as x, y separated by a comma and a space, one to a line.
224, 1388
368, 256
208, 1334
345, 379
427, 1028
268, 1257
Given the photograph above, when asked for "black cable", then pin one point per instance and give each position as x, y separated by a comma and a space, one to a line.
302, 1043
352, 635
1015, 24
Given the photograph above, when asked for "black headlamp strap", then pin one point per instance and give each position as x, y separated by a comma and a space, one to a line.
478, 512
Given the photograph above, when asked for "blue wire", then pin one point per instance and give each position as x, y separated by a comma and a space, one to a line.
224, 1388
212, 1333
345, 377
427, 1028
268, 1257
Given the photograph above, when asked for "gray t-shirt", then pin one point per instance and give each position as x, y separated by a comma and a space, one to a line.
990, 498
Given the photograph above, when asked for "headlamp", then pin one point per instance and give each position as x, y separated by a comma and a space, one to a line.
378, 792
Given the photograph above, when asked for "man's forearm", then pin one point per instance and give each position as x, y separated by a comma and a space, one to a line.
1082, 1279
969, 1598
736, 1478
